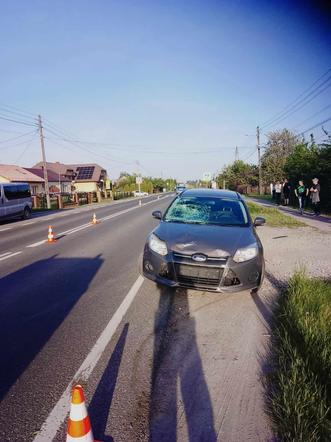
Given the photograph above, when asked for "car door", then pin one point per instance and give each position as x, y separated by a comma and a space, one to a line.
2, 204
11, 201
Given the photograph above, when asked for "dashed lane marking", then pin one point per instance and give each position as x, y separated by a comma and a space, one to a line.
4, 254
10, 256
58, 414
6, 228
36, 244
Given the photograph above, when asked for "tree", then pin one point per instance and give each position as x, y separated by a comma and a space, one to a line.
280, 145
238, 173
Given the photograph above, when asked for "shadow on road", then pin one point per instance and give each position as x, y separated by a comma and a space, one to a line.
34, 301
103, 396
177, 366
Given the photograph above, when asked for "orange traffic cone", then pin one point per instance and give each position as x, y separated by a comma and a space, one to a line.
79, 425
94, 219
50, 237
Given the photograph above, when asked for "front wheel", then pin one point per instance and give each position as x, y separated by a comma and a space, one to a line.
26, 213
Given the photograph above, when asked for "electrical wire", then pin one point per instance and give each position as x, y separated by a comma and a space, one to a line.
15, 110
316, 125
15, 145
312, 116
18, 121
24, 150
15, 138
301, 104
294, 102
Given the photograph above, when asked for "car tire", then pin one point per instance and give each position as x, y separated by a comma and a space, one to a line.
26, 213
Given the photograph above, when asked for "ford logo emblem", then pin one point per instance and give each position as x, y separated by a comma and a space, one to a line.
199, 257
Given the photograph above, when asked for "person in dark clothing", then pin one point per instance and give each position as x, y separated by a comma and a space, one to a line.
315, 196
286, 192
301, 192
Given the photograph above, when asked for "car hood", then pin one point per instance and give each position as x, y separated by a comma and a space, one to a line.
213, 241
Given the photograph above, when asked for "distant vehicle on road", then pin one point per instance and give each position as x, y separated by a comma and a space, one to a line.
15, 200
180, 188
206, 240
136, 193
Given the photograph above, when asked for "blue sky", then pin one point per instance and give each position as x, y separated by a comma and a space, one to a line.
175, 85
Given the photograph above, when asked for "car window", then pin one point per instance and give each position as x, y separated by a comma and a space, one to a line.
202, 210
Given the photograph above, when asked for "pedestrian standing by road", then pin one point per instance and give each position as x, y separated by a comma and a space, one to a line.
272, 190
301, 192
278, 192
315, 196
286, 192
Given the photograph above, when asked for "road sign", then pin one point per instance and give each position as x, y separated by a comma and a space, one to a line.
207, 176
139, 179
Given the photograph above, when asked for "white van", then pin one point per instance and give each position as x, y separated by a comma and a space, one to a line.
15, 200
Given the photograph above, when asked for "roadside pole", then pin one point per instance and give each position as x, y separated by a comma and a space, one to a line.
259, 158
40, 126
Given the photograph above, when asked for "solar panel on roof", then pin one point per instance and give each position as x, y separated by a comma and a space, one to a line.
85, 173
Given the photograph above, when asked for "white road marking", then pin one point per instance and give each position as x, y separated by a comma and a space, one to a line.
36, 244
10, 256
4, 254
6, 228
61, 409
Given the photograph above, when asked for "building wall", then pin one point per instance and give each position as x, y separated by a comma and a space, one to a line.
36, 188
86, 187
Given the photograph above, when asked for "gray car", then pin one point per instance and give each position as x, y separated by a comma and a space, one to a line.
206, 240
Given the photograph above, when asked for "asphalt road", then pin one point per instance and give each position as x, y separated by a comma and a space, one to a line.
156, 365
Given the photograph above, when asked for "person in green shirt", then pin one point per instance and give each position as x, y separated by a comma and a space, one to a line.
301, 192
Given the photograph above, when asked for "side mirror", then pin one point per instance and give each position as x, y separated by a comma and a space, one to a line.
157, 214
259, 221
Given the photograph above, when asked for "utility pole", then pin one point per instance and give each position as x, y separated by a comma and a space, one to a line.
259, 158
40, 126
236, 155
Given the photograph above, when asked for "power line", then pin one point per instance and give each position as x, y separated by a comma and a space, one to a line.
301, 104
18, 121
15, 110
312, 116
15, 145
24, 150
16, 138
316, 125
278, 114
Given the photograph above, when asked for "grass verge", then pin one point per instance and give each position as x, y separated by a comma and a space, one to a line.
274, 217
299, 383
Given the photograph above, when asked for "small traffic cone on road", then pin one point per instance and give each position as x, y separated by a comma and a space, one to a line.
79, 425
94, 219
50, 237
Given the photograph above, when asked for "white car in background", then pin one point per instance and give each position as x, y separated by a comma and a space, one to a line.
136, 193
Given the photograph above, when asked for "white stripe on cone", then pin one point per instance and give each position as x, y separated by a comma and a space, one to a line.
78, 412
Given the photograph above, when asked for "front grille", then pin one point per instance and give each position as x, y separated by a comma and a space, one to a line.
210, 259
198, 276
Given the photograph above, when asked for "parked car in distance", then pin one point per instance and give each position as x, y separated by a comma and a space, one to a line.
206, 240
136, 193
15, 200
180, 188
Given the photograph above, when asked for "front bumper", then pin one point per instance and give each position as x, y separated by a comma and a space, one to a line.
214, 275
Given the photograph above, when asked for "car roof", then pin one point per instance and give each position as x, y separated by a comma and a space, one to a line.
214, 193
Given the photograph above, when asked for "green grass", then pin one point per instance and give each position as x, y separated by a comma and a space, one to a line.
262, 197
299, 383
274, 217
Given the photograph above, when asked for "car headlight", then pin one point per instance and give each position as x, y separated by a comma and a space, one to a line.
246, 253
157, 245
